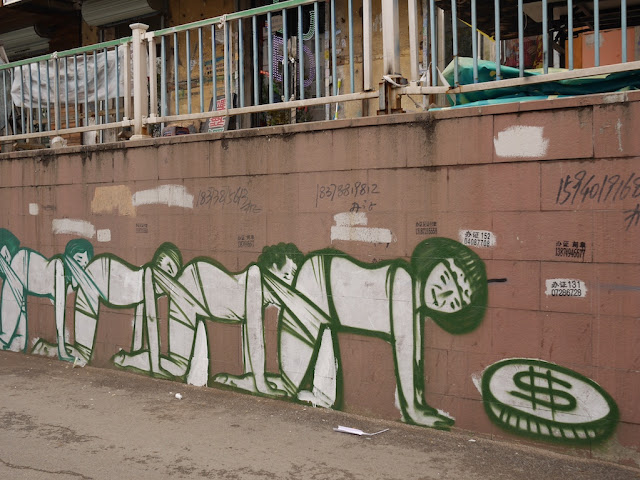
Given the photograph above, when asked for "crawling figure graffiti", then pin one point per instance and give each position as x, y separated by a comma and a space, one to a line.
333, 292
26, 272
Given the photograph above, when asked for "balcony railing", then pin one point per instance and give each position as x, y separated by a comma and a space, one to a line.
291, 55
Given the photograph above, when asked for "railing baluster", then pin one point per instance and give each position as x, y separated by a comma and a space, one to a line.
201, 69
214, 68
433, 41
316, 29
351, 65
623, 27
66, 92
39, 99
76, 96
496, 36
285, 56
474, 40
241, 59
270, 56
300, 53
13, 117
334, 61
454, 34
596, 32
570, 32
256, 90
520, 38
545, 37
57, 92
96, 102
30, 126
22, 100
188, 68
227, 67
106, 87
86, 88
176, 79
117, 53
4, 103
164, 104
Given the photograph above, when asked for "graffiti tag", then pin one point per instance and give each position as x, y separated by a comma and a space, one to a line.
238, 197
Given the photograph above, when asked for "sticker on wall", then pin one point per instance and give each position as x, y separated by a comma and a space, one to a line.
521, 141
571, 249
426, 228
477, 238
546, 401
350, 227
565, 287
34, 209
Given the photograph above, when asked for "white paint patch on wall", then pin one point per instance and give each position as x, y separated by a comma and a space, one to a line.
104, 235
171, 195
521, 141
477, 238
565, 287
349, 227
34, 209
73, 227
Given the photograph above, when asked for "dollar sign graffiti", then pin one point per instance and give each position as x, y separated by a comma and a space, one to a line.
544, 396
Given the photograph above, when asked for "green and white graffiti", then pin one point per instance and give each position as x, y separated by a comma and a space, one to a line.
545, 401
319, 295
26, 272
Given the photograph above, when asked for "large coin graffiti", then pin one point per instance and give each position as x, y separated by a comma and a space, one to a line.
547, 401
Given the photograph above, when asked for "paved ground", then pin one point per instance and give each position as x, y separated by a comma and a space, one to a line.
59, 422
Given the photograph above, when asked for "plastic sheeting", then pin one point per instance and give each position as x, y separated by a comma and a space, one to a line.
35, 90
612, 82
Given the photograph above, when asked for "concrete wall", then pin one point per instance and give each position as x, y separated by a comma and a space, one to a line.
509, 233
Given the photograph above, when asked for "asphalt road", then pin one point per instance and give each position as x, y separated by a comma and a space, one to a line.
59, 422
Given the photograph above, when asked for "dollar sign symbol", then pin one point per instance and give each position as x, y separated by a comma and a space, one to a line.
544, 396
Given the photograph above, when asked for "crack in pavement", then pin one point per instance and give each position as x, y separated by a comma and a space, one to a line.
59, 472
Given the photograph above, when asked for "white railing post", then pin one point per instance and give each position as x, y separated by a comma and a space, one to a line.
413, 40
140, 80
391, 37
367, 48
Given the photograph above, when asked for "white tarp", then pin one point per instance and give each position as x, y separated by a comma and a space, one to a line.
33, 91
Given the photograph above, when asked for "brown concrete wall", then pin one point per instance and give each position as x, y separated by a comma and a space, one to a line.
553, 188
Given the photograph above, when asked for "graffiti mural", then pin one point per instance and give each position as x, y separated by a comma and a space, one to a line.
318, 296
26, 272
545, 401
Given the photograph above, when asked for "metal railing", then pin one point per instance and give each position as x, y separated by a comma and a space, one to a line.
563, 16
291, 55
74, 91
284, 74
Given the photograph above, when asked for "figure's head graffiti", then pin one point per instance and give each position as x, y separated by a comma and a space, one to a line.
9, 246
168, 259
452, 284
283, 260
546, 401
81, 250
